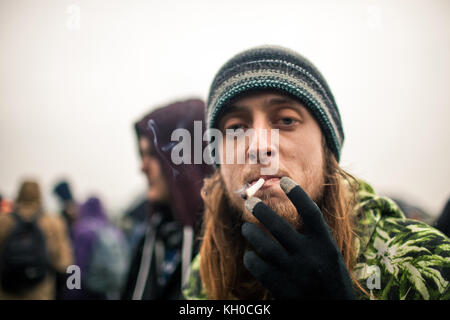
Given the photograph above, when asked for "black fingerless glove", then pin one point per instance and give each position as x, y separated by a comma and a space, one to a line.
300, 265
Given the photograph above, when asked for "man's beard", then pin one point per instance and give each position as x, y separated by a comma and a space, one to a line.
283, 207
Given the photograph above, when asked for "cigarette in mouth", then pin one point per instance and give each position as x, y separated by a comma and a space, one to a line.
249, 192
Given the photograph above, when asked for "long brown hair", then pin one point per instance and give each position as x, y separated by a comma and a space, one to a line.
222, 271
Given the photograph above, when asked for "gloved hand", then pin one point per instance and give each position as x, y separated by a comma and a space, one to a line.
298, 266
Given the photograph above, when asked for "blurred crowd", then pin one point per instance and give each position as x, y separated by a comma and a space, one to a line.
145, 254
37, 248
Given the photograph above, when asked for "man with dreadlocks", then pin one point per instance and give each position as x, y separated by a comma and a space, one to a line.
312, 230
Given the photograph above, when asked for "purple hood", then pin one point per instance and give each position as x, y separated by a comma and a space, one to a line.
91, 219
184, 180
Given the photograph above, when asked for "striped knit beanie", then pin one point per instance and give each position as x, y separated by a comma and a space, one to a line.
280, 69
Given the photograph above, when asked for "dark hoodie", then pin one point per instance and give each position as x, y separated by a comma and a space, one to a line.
172, 228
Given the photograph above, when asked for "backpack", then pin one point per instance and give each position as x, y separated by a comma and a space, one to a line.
24, 261
108, 265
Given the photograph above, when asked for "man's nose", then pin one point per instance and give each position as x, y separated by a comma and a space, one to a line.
262, 148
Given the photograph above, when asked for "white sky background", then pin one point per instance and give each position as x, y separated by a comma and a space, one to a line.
69, 94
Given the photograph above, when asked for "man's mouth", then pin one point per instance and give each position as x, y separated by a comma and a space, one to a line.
254, 182
269, 181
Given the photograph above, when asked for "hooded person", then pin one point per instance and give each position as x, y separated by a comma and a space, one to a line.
161, 261
312, 230
100, 252
92, 218
28, 207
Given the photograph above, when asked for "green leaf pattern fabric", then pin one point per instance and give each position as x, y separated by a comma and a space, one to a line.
410, 259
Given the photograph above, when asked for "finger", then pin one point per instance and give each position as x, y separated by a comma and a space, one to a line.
307, 209
270, 277
283, 232
263, 244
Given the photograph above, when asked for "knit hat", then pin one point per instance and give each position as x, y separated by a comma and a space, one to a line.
283, 70
62, 190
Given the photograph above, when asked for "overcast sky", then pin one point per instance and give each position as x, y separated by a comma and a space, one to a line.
76, 75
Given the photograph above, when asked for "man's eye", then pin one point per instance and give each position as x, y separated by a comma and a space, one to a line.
286, 121
235, 127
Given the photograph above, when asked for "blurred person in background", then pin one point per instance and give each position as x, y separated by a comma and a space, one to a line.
34, 248
5, 205
133, 222
412, 211
161, 262
101, 253
69, 213
69, 207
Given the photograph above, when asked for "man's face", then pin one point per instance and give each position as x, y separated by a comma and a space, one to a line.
299, 152
150, 166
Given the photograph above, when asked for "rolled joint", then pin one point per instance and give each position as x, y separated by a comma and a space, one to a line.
250, 192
